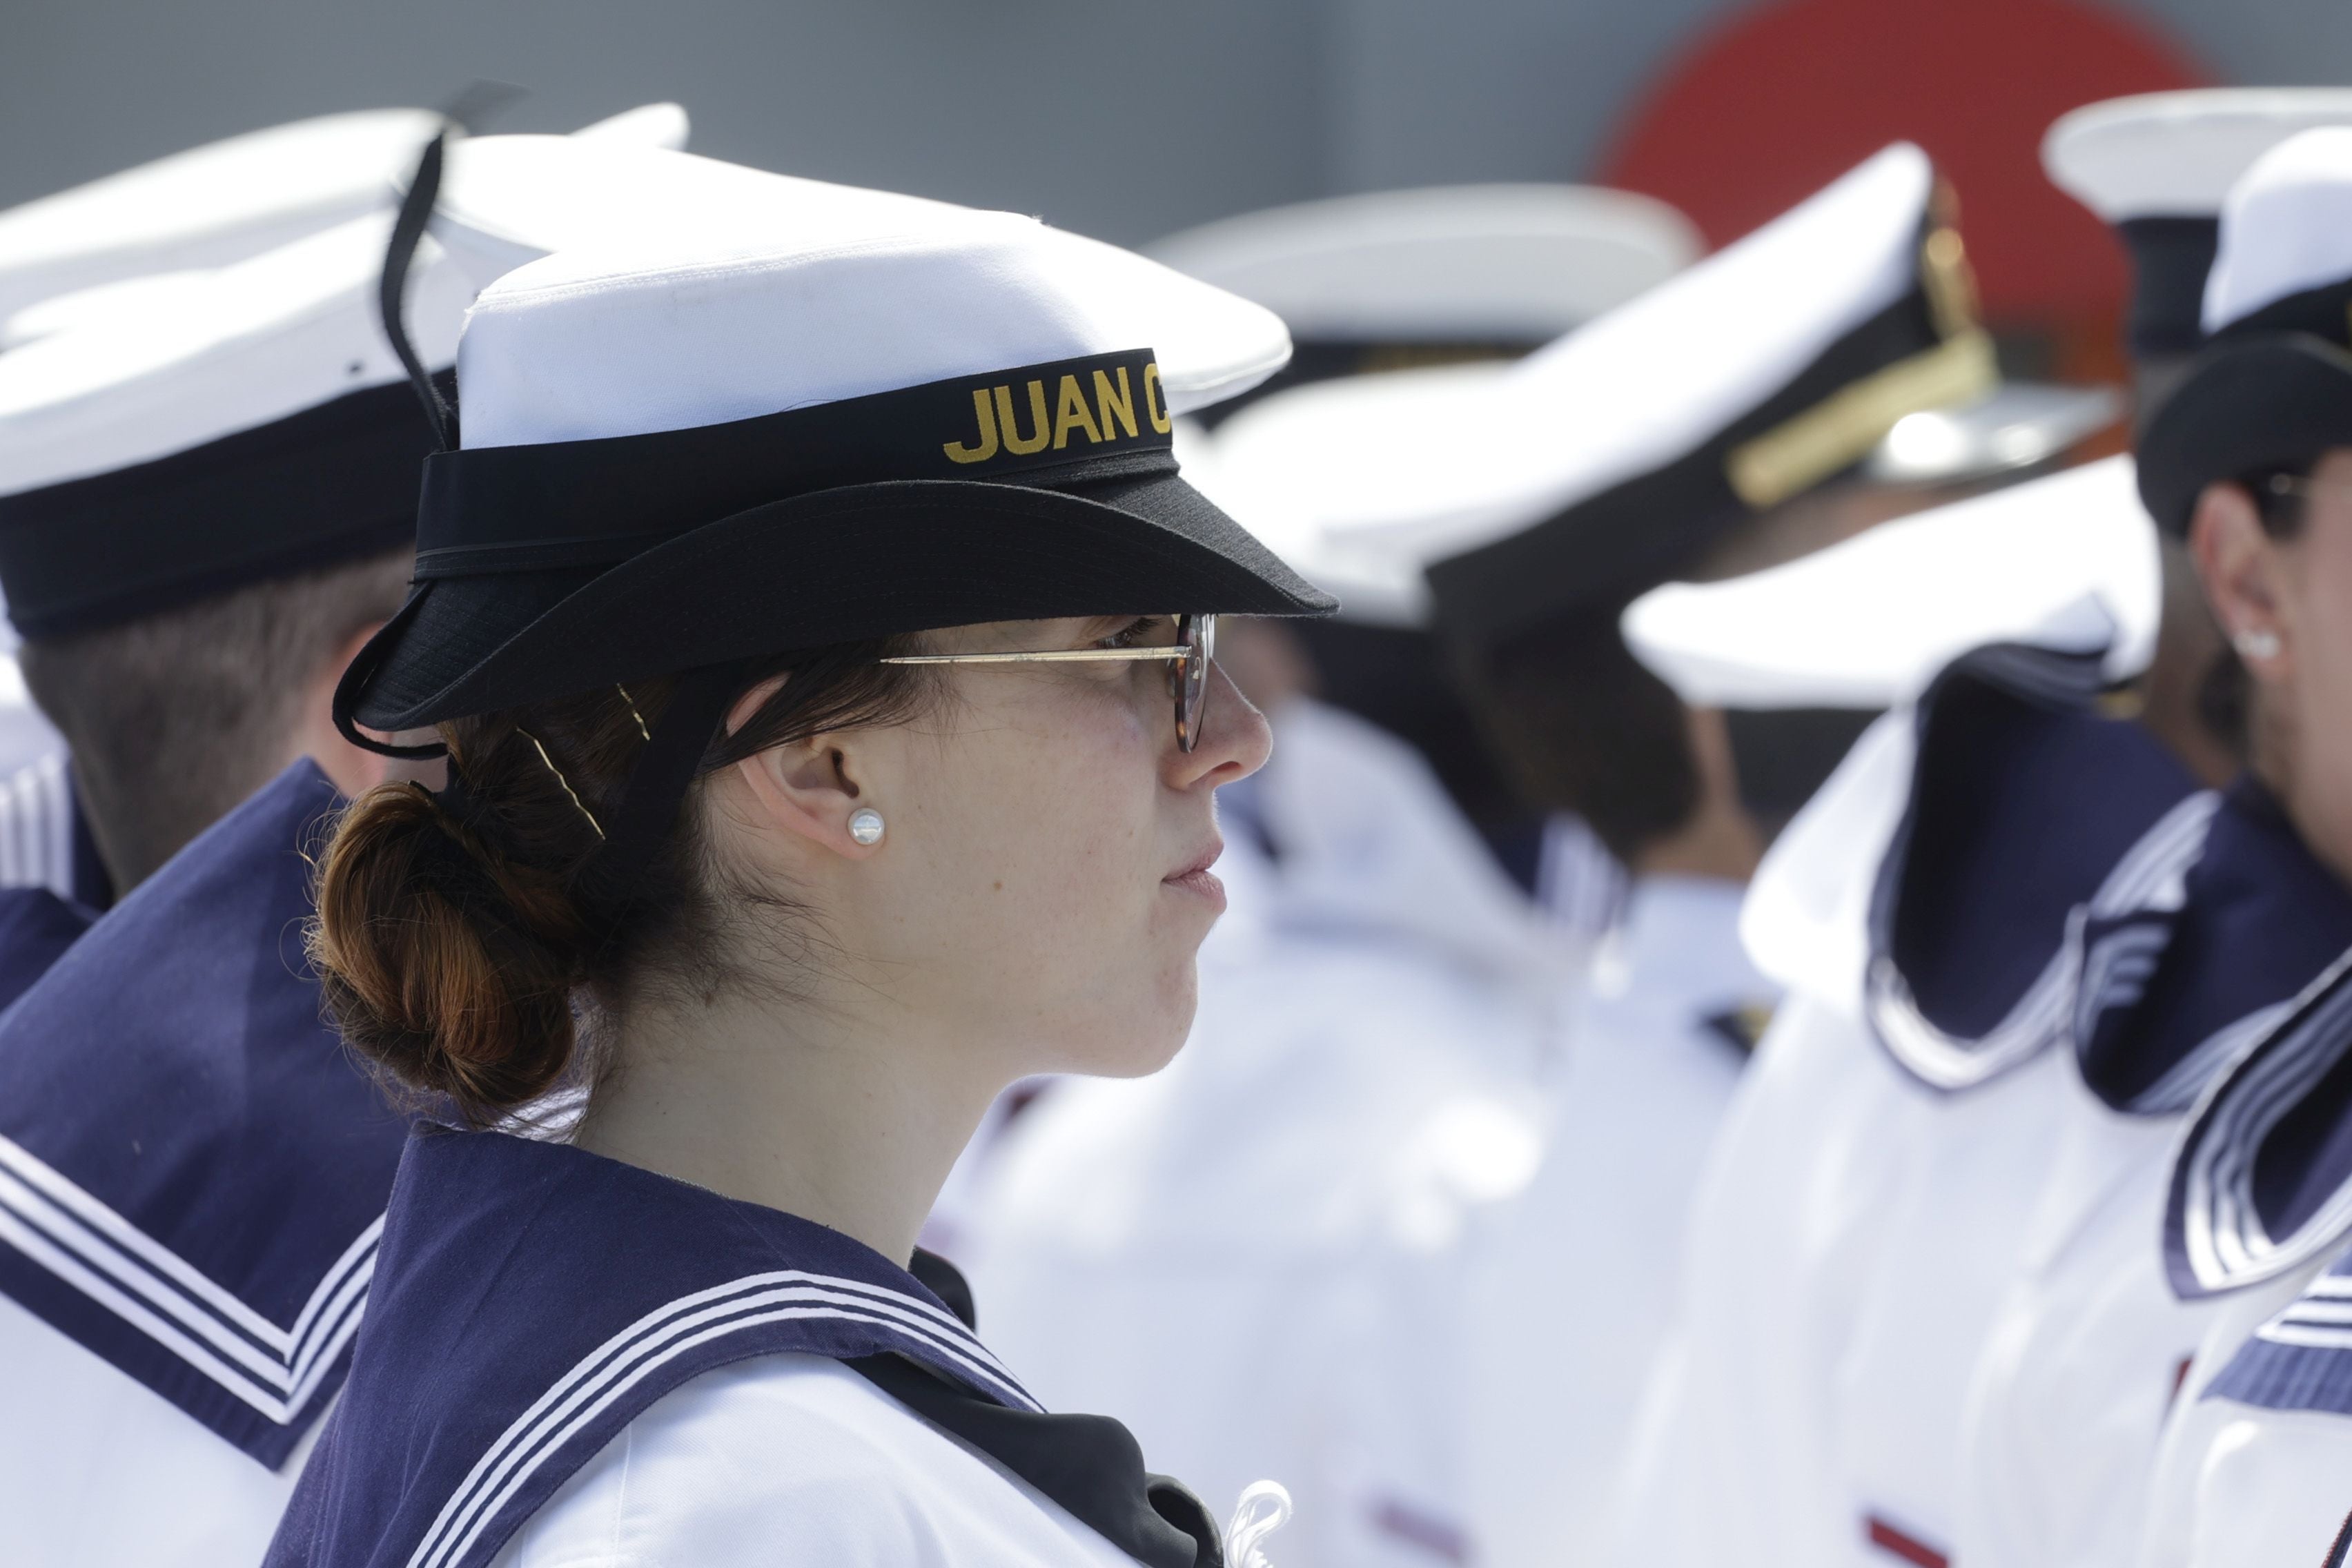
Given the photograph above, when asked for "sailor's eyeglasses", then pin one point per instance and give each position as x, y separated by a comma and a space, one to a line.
1187, 658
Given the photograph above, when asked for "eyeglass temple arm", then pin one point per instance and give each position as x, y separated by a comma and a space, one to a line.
1059, 655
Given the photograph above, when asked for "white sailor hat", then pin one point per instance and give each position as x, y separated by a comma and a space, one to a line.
245, 423
2273, 389
207, 206
1512, 264
1601, 463
2157, 167
2069, 560
816, 415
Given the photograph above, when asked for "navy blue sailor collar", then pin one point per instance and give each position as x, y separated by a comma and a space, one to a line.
532, 1298
2029, 812
2262, 1180
192, 1173
2299, 1360
2172, 992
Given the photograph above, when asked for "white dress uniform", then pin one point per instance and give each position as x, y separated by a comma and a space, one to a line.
193, 1173
1284, 1204
1649, 1061
2095, 1340
1801, 1410
2252, 1463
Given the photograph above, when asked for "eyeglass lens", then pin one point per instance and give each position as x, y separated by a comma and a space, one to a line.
1188, 678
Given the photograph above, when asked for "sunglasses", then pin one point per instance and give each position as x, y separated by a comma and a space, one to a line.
1187, 659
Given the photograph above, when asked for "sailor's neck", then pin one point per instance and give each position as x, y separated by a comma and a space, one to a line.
852, 1127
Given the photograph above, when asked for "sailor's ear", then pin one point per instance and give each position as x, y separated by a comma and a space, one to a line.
809, 788
2241, 567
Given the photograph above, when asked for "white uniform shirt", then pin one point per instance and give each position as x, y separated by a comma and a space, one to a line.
1278, 1214
2237, 1486
114, 1475
794, 1461
1570, 1293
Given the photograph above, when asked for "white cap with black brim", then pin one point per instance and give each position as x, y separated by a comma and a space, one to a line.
247, 424
2273, 387
821, 415
2157, 167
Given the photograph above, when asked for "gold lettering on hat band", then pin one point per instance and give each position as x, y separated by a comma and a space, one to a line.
1839, 430
1108, 414
1070, 411
1022, 446
1120, 404
1151, 403
964, 452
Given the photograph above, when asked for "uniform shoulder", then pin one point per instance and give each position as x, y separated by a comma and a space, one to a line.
792, 1460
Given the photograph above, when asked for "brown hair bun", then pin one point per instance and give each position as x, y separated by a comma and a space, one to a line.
449, 963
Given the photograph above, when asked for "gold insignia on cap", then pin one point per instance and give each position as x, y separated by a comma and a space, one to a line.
1839, 430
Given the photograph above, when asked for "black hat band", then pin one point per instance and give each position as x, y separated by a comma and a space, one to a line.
571, 504
2169, 257
334, 482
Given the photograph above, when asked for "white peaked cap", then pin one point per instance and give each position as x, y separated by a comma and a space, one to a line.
158, 366
207, 206
1372, 479
2066, 561
797, 293
1506, 263
2287, 226
2022, 424
83, 307
2176, 154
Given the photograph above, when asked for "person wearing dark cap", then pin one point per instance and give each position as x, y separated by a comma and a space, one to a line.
209, 509
2247, 460
820, 632
1963, 873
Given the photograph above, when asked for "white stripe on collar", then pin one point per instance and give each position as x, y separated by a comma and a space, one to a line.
636, 1352
90, 1246
2222, 1237
2319, 1319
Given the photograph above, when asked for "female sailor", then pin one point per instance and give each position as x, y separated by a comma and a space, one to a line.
2255, 1217
2087, 1353
820, 635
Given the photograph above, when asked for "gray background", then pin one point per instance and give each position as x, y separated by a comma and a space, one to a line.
1120, 118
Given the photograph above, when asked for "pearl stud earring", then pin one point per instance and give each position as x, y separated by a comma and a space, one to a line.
866, 825
2254, 644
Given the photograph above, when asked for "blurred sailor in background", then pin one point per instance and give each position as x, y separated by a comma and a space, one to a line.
2250, 459
1883, 1178
1473, 276
1734, 417
105, 247
210, 503
1376, 1005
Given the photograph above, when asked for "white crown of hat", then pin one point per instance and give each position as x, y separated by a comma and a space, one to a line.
1380, 476
2287, 227
2176, 154
797, 293
1506, 262
142, 369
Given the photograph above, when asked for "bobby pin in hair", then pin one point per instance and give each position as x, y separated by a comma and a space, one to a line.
630, 703
576, 801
